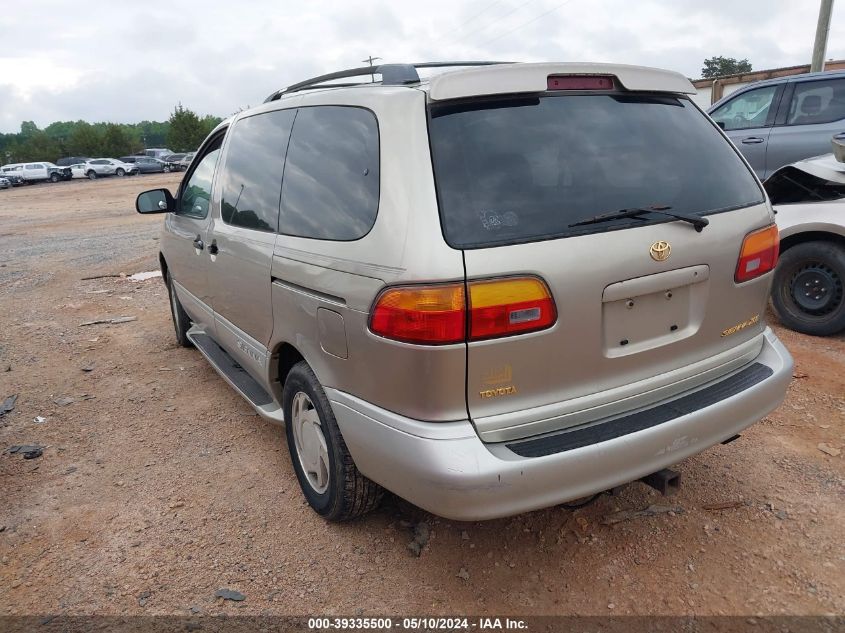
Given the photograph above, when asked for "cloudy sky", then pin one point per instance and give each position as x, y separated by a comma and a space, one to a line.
129, 61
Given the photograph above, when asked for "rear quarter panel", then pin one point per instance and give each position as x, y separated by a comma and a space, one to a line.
405, 245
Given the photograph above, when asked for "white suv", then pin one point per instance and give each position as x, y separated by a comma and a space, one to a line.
108, 167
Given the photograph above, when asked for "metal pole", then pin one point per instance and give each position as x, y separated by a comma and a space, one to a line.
820, 46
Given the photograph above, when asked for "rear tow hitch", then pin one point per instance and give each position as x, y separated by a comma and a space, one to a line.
666, 482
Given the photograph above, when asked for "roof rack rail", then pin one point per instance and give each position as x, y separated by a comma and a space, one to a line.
391, 75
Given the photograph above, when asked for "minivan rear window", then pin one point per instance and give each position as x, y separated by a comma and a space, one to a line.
525, 169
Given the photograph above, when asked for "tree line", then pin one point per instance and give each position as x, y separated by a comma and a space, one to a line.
182, 132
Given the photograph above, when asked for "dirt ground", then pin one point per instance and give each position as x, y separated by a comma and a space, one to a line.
159, 485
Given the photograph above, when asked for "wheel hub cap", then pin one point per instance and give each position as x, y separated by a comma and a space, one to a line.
817, 289
310, 443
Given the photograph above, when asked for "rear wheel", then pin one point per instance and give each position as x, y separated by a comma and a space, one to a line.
120, 172
329, 479
809, 288
92, 175
181, 320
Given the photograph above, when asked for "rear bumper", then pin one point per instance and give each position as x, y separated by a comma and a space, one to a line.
446, 469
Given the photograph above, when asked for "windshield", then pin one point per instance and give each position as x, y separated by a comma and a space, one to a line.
524, 169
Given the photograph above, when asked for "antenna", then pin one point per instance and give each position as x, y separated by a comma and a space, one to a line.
370, 61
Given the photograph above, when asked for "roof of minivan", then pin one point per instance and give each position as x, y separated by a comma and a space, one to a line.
508, 78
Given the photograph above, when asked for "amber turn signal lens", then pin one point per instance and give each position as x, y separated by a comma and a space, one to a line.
502, 307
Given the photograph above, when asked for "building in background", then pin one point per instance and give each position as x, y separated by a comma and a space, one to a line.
711, 90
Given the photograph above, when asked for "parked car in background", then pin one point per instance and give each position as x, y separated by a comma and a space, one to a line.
15, 178
109, 167
5, 183
79, 170
38, 171
56, 173
148, 164
98, 167
777, 122
121, 168
72, 160
808, 293
185, 162
173, 158
541, 327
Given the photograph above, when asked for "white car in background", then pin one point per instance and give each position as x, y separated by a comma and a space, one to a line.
34, 172
97, 167
78, 170
808, 293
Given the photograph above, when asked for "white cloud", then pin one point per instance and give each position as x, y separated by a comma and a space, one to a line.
128, 62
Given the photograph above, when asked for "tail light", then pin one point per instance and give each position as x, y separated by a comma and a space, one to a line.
501, 307
430, 315
759, 254
437, 314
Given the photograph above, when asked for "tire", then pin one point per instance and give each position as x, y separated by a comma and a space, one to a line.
54, 177
166, 169
92, 175
181, 320
808, 294
120, 172
334, 489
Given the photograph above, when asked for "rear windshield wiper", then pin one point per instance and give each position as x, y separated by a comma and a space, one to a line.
635, 212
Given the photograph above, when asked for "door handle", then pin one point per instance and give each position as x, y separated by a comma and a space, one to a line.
198, 244
751, 140
212, 248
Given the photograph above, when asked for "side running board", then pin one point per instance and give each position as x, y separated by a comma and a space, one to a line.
230, 370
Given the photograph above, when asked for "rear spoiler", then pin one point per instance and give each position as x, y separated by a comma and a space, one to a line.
516, 78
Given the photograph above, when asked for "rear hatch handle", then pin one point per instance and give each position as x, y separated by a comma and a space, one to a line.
697, 221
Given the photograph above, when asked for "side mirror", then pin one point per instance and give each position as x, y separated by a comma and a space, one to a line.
156, 201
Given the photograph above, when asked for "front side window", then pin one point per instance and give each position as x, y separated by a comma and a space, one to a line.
817, 102
331, 184
749, 110
195, 197
252, 176
525, 169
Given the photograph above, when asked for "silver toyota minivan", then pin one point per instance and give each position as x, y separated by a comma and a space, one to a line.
497, 289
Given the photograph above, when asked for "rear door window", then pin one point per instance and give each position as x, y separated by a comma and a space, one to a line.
331, 184
525, 169
817, 102
252, 175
